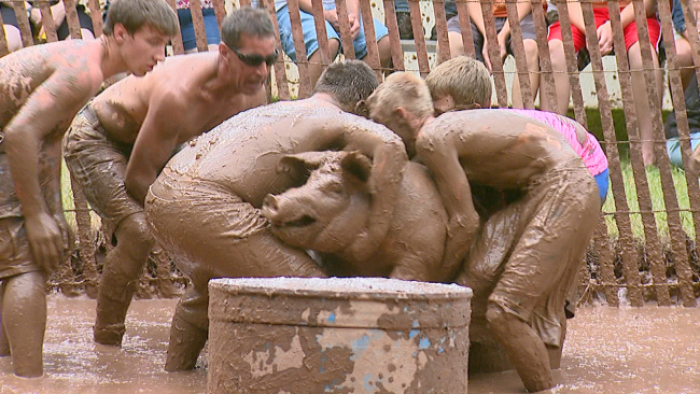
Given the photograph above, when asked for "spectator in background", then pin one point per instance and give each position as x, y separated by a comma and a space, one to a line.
187, 27
605, 40
684, 59
58, 11
9, 20
692, 107
403, 18
332, 30
527, 26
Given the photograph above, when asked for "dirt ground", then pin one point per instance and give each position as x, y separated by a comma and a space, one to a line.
608, 350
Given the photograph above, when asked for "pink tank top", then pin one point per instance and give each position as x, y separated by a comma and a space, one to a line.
591, 153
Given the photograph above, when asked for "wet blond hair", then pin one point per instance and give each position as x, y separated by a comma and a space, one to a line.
400, 89
463, 78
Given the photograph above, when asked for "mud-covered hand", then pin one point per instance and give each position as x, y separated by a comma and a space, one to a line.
460, 236
45, 240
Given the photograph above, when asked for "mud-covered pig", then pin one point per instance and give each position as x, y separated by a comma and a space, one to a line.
331, 205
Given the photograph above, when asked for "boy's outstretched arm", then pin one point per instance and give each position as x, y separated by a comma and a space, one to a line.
440, 154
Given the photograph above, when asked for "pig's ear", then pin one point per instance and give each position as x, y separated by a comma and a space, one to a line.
357, 164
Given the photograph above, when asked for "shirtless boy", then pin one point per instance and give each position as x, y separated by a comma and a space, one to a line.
41, 90
121, 140
547, 228
463, 83
204, 207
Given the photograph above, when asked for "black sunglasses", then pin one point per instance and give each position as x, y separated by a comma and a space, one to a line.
256, 60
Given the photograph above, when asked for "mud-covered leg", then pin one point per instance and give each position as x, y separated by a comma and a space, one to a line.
525, 348
120, 275
24, 320
4, 343
188, 331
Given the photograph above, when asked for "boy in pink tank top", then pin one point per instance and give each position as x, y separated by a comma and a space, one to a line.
463, 83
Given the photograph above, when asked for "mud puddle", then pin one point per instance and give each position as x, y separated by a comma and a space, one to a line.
608, 350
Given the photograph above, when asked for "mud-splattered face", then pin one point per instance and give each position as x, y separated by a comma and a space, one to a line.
328, 210
251, 61
143, 49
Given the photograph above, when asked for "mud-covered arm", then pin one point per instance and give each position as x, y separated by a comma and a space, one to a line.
389, 160
155, 142
42, 120
439, 151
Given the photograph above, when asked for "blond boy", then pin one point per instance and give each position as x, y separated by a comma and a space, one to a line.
525, 257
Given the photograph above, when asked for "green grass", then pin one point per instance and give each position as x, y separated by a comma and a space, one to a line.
657, 202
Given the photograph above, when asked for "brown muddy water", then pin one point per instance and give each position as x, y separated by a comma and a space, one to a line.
607, 350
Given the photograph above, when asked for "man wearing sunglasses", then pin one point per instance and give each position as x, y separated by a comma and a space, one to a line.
205, 206
119, 142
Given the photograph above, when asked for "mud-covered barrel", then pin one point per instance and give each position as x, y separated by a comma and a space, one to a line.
350, 335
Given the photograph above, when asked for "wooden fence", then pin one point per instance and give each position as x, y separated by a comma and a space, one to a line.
652, 266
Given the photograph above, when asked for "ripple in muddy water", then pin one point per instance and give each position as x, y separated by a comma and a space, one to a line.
608, 350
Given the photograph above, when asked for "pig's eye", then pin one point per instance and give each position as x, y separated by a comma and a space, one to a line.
336, 188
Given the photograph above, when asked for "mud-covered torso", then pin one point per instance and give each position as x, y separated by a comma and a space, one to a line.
21, 73
123, 108
243, 153
501, 149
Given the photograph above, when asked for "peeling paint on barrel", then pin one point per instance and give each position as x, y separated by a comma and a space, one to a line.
349, 335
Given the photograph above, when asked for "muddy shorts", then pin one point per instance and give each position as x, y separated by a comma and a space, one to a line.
205, 229
202, 223
526, 256
15, 254
99, 166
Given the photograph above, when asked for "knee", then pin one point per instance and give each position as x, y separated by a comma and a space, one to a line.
384, 47
333, 47
497, 318
531, 53
556, 53
135, 234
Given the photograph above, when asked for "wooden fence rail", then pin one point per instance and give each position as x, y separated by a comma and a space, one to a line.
648, 264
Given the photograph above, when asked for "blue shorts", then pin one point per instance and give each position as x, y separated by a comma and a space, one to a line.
602, 180
187, 28
309, 28
673, 146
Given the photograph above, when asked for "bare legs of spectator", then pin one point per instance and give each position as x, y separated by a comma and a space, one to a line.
384, 48
13, 38
316, 65
456, 44
684, 60
641, 100
561, 78
533, 68
210, 48
639, 92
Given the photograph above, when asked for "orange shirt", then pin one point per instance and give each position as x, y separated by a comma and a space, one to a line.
499, 8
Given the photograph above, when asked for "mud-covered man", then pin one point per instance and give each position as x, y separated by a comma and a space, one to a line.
204, 207
41, 90
121, 140
527, 254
